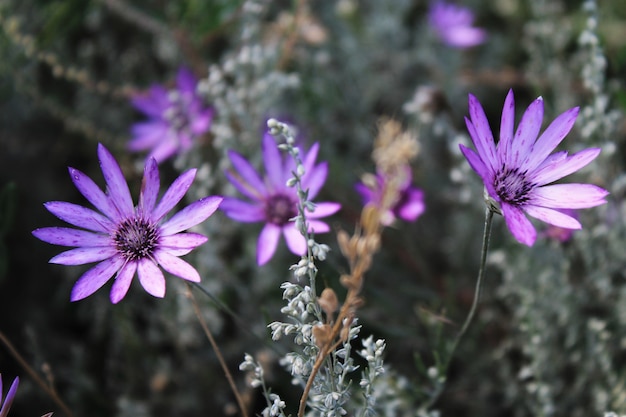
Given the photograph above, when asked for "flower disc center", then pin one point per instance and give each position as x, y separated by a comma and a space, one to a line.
136, 238
279, 209
512, 186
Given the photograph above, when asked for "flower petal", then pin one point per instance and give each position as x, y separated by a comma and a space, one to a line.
481, 169
507, 123
317, 226
186, 81
92, 280
526, 133
149, 187
267, 243
553, 217
168, 147
182, 241
314, 179
65, 236
151, 278
521, 228
295, 241
174, 194
242, 211
273, 162
323, 210
80, 256
152, 103
93, 194
413, 205
146, 135
568, 196
122, 282
561, 168
191, 215
550, 138
10, 396
481, 133
176, 266
252, 185
80, 216
116, 183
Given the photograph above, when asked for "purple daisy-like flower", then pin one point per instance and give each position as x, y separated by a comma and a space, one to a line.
6, 406
453, 25
271, 201
125, 239
176, 118
517, 172
410, 204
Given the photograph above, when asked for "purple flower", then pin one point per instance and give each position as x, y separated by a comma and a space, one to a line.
453, 25
273, 202
176, 118
126, 239
4, 411
410, 204
517, 172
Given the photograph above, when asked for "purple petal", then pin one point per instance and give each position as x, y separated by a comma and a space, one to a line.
250, 183
563, 167
308, 160
151, 278
553, 217
182, 241
568, 196
314, 179
116, 183
177, 266
295, 241
413, 207
122, 282
65, 236
191, 215
92, 280
149, 187
10, 396
147, 134
80, 216
202, 122
550, 138
273, 162
153, 103
267, 243
323, 210
366, 194
168, 147
316, 226
242, 211
521, 228
464, 36
186, 81
174, 194
80, 256
481, 133
479, 167
507, 124
526, 133
93, 194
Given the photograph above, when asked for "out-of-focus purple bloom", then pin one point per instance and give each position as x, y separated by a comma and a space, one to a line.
125, 239
176, 118
410, 204
559, 233
6, 406
517, 171
453, 25
271, 201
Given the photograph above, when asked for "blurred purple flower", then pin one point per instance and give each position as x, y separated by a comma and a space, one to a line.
559, 233
4, 411
126, 239
410, 204
271, 201
453, 25
517, 171
176, 118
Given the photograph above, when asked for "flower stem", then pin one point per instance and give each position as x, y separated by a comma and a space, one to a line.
470, 317
218, 353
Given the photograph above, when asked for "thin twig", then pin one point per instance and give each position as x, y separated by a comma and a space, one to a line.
218, 352
38, 379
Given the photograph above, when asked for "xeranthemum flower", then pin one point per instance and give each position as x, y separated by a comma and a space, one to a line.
410, 204
271, 201
176, 118
453, 25
518, 170
126, 239
4, 411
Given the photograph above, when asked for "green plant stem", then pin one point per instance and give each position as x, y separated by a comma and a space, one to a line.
470, 317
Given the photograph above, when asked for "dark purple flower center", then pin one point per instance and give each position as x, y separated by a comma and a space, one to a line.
136, 238
279, 209
512, 186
